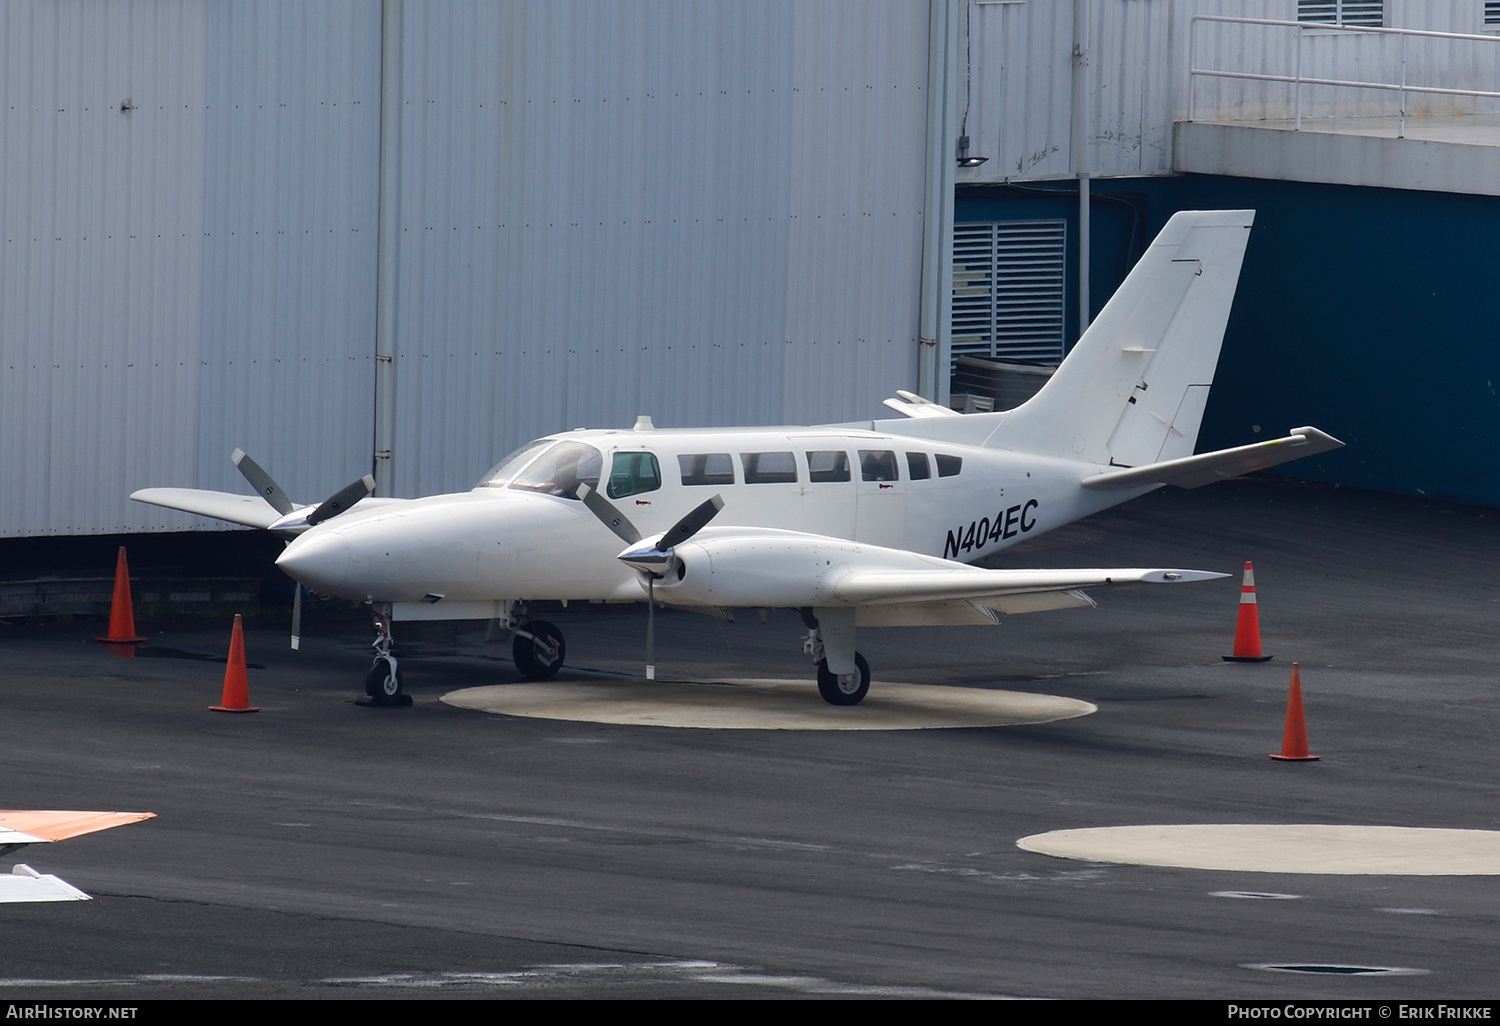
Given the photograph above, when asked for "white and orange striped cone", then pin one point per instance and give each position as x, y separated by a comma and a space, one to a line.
1247, 630
1294, 735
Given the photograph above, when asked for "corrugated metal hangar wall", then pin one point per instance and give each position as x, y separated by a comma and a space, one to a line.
706, 212
710, 212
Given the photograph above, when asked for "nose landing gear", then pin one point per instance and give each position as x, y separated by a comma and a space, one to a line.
383, 682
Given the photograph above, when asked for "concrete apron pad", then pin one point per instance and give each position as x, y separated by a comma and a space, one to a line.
1260, 848
765, 705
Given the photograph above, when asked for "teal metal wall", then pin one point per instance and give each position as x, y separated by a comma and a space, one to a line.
1369, 313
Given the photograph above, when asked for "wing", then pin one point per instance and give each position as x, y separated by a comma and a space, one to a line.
744, 567
250, 510
19, 827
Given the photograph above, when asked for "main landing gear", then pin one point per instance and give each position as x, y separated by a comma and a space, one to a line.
843, 674
538, 648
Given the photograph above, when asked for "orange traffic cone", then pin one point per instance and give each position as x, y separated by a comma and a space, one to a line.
1294, 737
1247, 630
236, 686
121, 612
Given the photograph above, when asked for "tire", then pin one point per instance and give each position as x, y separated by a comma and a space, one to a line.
383, 683
833, 694
531, 658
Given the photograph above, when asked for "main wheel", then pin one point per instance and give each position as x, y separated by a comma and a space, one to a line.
848, 690
541, 655
382, 683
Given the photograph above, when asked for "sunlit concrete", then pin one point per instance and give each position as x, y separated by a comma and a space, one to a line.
1263, 848
765, 705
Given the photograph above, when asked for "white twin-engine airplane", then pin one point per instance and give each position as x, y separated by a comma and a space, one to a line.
870, 523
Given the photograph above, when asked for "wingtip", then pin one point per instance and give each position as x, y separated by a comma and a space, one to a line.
1180, 576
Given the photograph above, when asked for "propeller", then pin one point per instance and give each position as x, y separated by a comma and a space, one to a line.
656, 558
332, 506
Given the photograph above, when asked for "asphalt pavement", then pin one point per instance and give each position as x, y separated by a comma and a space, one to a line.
320, 848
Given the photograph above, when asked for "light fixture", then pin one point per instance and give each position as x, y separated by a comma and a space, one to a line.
964, 160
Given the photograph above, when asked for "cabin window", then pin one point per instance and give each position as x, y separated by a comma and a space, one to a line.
769, 467
706, 468
501, 473
877, 465
825, 466
633, 473
917, 466
949, 466
561, 469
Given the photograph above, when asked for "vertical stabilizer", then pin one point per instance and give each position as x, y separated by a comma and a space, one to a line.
1133, 389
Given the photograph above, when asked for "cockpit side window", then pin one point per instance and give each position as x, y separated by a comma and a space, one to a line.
501, 473
632, 473
561, 469
949, 466
706, 468
917, 466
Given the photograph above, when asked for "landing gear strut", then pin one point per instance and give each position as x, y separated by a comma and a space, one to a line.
383, 682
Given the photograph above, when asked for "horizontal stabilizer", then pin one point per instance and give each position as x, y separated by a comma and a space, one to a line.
909, 404
1193, 471
250, 510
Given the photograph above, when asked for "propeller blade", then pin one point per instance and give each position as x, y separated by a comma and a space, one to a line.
296, 617
341, 500
262, 483
608, 515
695, 521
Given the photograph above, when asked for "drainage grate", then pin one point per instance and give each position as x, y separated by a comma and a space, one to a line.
1325, 969
1256, 895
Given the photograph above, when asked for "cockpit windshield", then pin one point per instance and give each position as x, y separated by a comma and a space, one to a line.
561, 469
500, 474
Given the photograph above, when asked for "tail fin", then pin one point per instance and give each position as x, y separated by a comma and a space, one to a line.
1133, 390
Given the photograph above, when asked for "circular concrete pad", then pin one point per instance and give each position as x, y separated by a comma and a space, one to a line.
1254, 848
765, 705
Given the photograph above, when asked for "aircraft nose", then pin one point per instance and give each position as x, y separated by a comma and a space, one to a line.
319, 560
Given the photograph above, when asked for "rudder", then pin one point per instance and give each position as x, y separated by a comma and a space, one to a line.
1133, 389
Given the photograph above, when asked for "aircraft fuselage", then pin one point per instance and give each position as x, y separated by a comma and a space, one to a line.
523, 535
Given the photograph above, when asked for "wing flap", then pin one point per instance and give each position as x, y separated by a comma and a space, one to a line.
1193, 471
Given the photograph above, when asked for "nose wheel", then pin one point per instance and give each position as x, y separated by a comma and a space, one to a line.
383, 682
